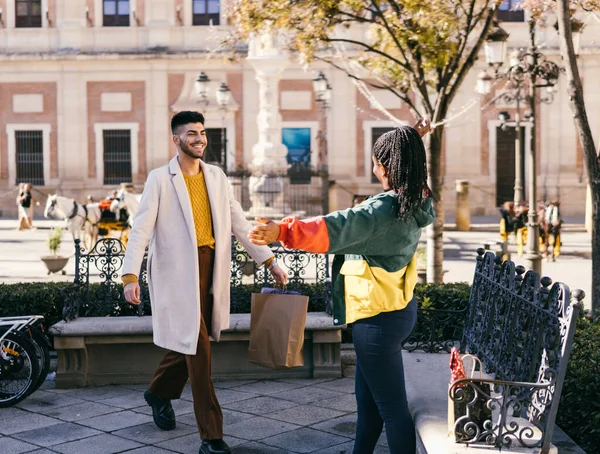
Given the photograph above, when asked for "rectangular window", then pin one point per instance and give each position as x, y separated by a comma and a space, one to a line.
216, 153
30, 157
297, 141
376, 133
206, 12
28, 13
116, 13
511, 11
117, 156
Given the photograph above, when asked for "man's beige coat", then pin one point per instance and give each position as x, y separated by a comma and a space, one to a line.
165, 223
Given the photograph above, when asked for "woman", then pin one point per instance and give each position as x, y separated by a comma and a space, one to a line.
374, 276
23, 205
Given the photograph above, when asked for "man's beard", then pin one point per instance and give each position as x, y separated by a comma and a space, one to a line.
191, 152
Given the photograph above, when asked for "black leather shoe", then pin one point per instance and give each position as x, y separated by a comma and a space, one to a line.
214, 447
162, 411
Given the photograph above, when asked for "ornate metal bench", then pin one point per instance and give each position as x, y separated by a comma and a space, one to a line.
521, 327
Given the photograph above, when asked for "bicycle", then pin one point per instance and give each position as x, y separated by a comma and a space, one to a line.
24, 357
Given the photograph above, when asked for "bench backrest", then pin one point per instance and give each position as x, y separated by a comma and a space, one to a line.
519, 325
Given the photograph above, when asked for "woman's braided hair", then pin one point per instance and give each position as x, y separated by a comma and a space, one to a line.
402, 153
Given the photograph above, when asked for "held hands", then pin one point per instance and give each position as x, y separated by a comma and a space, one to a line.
132, 293
423, 126
265, 233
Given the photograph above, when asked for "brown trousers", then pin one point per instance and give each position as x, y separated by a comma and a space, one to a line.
173, 371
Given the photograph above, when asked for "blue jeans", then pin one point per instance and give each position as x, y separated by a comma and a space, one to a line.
380, 389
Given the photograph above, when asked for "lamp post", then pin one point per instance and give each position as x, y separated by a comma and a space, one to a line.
223, 96
323, 97
527, 70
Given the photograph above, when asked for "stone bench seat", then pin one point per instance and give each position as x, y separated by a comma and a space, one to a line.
97, 351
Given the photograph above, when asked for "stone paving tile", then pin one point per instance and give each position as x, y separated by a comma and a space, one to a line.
10, 445
180, 407
142, 387
304, 440
116, 421
257, 448
100, 393
230, 417
43, 400
347, 448
132, 400
150, 434
346, 403
305, 415
308, 395
28, 421
57, 434
227, 384
344, 426
190, 444
101, 444
227, 396
12, 412
149, 450
260, 405
342, 385
78, 412
304, 381
268, 387
258, 428
41, 451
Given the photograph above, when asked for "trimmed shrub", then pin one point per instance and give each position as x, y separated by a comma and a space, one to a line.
579, 410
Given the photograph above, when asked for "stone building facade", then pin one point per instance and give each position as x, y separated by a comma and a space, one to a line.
87, 89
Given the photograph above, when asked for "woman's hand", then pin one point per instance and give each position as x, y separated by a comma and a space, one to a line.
423, 126
132, 293
279, 275
266, 233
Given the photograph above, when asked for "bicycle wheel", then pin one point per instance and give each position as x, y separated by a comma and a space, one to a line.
42, 349
19, 368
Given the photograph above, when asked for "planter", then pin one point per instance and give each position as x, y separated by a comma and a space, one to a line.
55, 263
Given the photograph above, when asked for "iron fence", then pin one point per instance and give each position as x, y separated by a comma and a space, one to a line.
308, 273
305, 191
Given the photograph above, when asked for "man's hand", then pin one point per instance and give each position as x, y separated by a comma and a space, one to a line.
279, 275
266, 233
132, 293
423, 126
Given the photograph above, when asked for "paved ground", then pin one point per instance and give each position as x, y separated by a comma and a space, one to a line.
282, 416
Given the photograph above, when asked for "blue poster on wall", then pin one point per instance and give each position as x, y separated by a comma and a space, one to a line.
297, 141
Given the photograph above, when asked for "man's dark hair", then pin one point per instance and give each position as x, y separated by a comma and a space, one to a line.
185, 117
402, 153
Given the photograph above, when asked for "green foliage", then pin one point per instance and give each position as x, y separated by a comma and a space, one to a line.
406, 46
54, 239
579, 410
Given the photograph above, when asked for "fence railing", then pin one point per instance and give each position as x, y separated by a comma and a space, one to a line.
307, 272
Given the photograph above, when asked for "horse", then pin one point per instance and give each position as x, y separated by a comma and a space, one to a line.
550, 226
128, 201
78, 218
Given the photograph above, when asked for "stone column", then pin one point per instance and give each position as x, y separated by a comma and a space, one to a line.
269, 154
463, 206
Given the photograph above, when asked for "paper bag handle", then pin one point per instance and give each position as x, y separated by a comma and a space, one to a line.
475, 361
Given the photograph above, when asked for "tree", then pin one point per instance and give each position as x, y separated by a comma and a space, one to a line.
421, 51
564, 10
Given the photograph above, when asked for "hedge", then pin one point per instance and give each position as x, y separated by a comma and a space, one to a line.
579, 410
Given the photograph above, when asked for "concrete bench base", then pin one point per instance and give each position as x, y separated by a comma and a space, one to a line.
98, 351
427, 377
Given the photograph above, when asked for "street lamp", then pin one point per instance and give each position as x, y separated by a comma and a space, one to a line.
576, 30
527, 70
323, 94
223, 96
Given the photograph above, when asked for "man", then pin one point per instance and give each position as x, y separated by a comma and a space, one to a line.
187, 214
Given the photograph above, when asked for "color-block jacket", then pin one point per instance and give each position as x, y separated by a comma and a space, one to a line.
375, 268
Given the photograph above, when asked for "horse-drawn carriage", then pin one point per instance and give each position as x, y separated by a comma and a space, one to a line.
88, 222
